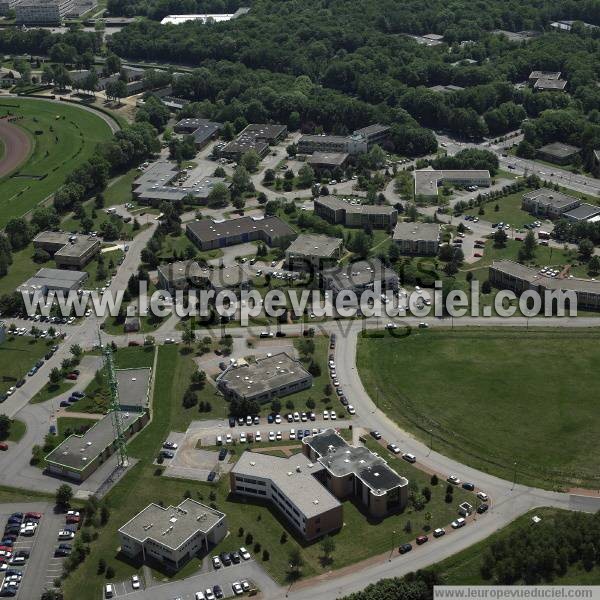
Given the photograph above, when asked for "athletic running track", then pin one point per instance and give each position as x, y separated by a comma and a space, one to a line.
17, 145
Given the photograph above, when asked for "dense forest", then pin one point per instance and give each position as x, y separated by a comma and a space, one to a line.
336, 65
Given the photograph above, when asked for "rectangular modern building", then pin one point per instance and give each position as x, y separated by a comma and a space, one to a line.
208, 234
173, 535
257, 137
53, 279
327, 161
43, 12
313, 252
359, 277
271, 377
69, 251
355, 472
78, 456
427, 181
419, 239
549, 203
352, 213
292, 486
509, 275
361, 141
558, 153
202, 130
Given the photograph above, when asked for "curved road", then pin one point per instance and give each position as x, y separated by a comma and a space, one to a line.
17, 146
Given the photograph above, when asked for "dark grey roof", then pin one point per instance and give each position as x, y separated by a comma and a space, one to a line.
583, 212
559, 149
207, 230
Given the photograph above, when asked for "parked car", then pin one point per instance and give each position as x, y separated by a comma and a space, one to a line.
393, 448
237, 588
405, 548
216, 561
411, 458
482, 496
244, 553
225, 558
421, 539
218, 591
460, 522
468, 486
439, 532
376, 435
453, 479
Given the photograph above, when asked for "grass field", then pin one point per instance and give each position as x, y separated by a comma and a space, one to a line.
495, 397
64, 136
144, 484
51, 390
17, 356
509, 211
17, 431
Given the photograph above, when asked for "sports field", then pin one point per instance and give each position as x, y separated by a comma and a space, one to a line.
493, 398
62, 136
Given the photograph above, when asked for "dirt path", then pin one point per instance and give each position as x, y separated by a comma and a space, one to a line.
17, 146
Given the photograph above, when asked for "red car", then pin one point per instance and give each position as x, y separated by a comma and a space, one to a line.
3, 446
422, 539
478, 254
72, 519
36, 516
72, 376
132, 343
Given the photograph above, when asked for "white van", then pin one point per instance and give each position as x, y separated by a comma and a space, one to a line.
109, 590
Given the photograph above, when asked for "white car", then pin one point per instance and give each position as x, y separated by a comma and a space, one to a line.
245, 586
216, 561
209, 594
296, 417
453, 479
65, 534
351, 410
411, 458
28, 528
242, 438
135, 582
393, 448
460, 522
257, 437
244, 553
278, 436
11, 390
482, 496
277, 419
271, 436
439, 532
332, 415
237, 588
199, 596
326, 415
292, 434
72, 513
228, 439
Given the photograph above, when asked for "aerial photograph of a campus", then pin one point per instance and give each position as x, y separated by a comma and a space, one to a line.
299, 299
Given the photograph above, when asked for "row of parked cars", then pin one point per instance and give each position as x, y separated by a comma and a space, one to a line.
74, 397
336, 384
18, 524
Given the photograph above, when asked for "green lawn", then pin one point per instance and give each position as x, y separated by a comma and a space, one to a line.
144, 484
17, 431
51, 390
495, 397
69, 425
10, 494
64, 136
17, 356
509, 211
119, 192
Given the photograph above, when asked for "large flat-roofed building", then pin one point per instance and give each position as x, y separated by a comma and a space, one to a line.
352, 213
549, 75
549, 203
558, 153
420, 239
51, 241
352, 471
173, 535
584, 212
271, 377
373, 134
506, 274
427, 181
361, 141
157, 183
179, 275
292, 485
202, 130
313, 252
188, 274
78, 456
359, 277
257, 137
53, 279
78, 253
208, 234
550, 85
326, 161
42, 12
69, 251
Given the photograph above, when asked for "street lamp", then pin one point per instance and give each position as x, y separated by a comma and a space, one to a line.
393, 545
514, 477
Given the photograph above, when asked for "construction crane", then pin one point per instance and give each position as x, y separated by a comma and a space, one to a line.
115, 405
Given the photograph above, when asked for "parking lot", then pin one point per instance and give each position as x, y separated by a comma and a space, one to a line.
41, 568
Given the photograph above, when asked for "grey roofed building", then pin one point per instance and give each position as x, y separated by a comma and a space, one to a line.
446, 88
417, 238
134, 388
519, 37
328, 160
583, 212
51, 241
353, 213
558, 152
227, 277
549, 203
270, 377
359, 276
550, 84
428, 180
300, 486
270, 132
308, 244
177, 275
507, 274
208, 234
550, 75
155, 183
202, 130
78, 253
182, 522
53, 279
255, 137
